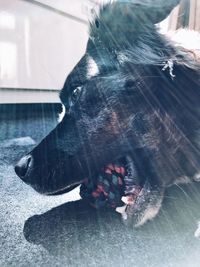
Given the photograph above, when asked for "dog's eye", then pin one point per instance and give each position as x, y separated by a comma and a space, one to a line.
75, 95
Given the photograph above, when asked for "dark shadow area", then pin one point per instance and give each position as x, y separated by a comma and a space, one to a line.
82, 234
72, 226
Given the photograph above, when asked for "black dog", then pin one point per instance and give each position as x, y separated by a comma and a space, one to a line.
133, 93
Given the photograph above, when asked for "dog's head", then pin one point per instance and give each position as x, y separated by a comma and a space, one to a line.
105, 98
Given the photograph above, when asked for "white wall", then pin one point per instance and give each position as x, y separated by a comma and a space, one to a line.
39, 47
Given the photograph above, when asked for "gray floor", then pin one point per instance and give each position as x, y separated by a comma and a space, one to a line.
49, 231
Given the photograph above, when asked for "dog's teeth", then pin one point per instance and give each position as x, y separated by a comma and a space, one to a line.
128, 200
125, 200
121, 209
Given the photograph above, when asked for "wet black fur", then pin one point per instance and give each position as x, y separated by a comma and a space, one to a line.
132, 106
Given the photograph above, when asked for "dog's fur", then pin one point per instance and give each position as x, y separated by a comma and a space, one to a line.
133, 93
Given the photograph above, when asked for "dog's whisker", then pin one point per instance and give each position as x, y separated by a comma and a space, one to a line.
184, 192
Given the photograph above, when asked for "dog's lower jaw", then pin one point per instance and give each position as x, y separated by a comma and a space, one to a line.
146, 207
149, 214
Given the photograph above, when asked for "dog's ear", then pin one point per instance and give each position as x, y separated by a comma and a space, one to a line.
125, 20
154, 11
147, 11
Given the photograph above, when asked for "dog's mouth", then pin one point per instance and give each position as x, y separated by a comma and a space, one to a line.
136, 191
117, 185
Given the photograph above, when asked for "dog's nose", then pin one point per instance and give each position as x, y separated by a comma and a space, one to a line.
23, 165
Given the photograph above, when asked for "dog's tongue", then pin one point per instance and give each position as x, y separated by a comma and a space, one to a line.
113, 188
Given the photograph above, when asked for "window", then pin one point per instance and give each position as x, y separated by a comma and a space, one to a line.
186, 15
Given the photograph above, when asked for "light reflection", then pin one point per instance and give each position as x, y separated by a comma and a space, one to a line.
7, 21
8, 61
27, 45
